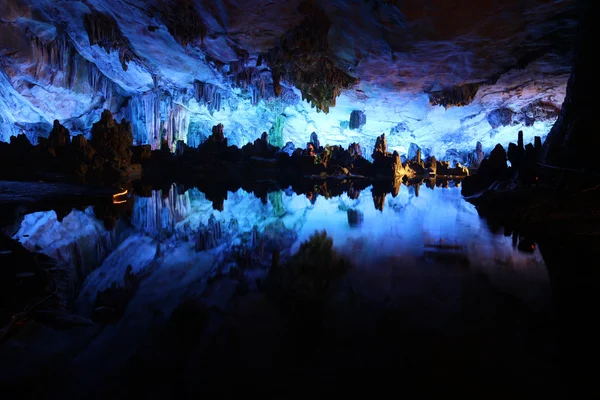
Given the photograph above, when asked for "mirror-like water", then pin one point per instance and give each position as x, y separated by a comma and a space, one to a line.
424, 265
426, 225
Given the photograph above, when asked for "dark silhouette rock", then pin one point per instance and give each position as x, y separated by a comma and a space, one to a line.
355, 217
218, 136
380, 149
59, 136
289, 148
492, 169
314, 139
112, 140
355, 150
357, 119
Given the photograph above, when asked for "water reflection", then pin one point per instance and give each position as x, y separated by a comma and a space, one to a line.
372, 223
429, 281
431, 225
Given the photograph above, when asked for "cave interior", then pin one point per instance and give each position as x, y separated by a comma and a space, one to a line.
283, 197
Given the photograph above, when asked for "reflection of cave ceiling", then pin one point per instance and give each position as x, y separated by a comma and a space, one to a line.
453, 71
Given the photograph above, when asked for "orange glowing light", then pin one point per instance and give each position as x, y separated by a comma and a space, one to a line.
124, 192
117, 195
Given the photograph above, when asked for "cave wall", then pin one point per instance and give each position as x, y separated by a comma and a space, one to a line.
574, 140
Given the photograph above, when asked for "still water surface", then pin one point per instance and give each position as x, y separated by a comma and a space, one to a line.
431, 286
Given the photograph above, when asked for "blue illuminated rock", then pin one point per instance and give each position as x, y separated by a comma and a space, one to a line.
357, 119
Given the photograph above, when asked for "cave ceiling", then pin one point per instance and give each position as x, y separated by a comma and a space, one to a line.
57, 57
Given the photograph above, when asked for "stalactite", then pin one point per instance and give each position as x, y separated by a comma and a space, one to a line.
58, 62
55, 60
156, 117
210, 95
183, 21
460, 95
103, 30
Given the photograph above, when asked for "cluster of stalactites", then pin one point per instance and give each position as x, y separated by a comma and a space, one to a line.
301, 59
158, 118
208, 94
461, 95
251, 78
58, 61
104, 31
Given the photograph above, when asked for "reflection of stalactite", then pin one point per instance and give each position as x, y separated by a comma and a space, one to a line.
210, 236
157, 216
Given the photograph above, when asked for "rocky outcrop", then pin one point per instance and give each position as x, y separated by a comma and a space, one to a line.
460, 95
386, 164
112, 140
355, 150
314, 140
184, 22
59, 136
261, 147
477, 156
413, 149
217, 136
572, 141
300, 58
212, 235
500, 117
357, 119
492, 169
103, 30
538, 111
380, 149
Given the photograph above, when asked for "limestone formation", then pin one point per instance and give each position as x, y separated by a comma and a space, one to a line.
357, 119
183, 21
112, 140
103, 30
412, 151
301, 58
314, 139
460, 95
500, 117
380, 149
355, 217
355, 150
217, 136
276, 132
59, 136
